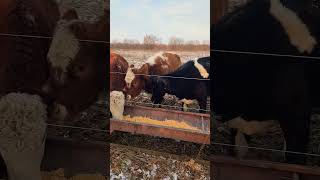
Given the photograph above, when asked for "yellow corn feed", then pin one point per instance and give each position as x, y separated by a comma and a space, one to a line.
59, 175
169, 123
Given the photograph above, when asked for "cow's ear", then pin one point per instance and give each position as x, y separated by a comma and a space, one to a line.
144, 70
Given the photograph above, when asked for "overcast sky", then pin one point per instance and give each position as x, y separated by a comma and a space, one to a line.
187, 19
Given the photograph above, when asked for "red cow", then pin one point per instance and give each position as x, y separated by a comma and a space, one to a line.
159, 64
118, 68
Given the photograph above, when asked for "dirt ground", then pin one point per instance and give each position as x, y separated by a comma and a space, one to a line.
136, 163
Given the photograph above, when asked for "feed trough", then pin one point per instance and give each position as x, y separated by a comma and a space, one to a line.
200, 133
233, 169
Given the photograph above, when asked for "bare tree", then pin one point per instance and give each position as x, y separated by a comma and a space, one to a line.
206, 42
150, 41
175, 42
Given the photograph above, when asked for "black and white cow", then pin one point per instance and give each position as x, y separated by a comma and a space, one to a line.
252, 90
189, 89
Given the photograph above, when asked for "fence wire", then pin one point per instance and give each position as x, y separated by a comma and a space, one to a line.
77, 127
264, 149
49, 37
170, 106
163, 76
265, 54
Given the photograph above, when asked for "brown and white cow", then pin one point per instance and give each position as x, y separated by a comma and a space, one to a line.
118, 68
78, 65
159, 64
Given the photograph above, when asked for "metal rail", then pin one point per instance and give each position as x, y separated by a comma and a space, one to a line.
234, 169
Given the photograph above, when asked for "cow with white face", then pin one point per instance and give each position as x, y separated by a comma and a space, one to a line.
78, 66
138, 79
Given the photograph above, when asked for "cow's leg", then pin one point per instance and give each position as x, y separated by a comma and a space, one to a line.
296, 133
203, 104
156, 101
3, 168
241, 145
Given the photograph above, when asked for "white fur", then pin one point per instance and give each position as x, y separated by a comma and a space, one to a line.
60, 112
186, 102
152, 60
201, 69
64, 47
129, 77
117, 101
251, 127
242, 145
296, 30
22, 134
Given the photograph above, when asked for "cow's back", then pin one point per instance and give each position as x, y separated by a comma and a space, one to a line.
164, 64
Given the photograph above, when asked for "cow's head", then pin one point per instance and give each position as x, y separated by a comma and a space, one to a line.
78, 65
136, 79
159, 89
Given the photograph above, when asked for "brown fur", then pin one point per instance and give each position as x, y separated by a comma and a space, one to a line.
161, 67
117, 64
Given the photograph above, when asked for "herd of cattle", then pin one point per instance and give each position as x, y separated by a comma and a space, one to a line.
259, 74
162, 73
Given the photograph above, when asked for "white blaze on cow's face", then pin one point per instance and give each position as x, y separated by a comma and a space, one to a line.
298, 33
129, 77
63, 49
203, 72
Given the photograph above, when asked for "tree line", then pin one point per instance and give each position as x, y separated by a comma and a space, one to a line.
152, 42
